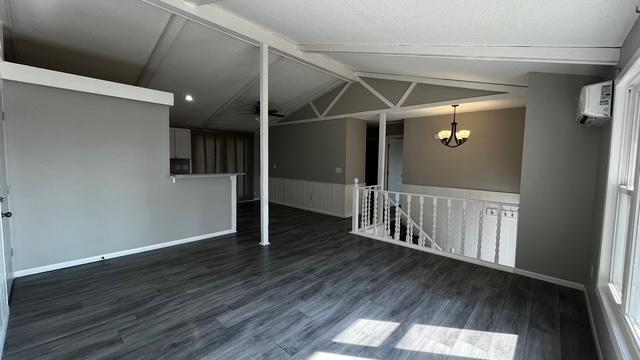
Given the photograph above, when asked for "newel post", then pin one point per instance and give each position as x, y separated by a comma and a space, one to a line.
354, 206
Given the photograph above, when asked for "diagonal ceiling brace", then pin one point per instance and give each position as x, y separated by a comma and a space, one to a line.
274, 67
165, 41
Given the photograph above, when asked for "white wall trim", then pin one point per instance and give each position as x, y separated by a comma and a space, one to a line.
116, 254
517, 271
308, 209
543, 54
592, 321
321, 197
37, 76
551, 279
624, 346
479, 195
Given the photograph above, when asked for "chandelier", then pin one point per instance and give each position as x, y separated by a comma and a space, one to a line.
454, 137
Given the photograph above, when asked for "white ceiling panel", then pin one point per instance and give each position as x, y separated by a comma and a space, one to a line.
579, 23
291, 85
499, 72
110, 40
208, 65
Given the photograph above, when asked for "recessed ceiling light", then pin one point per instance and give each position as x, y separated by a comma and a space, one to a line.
188, 97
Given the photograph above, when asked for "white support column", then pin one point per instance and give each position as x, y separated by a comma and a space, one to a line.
264, 144
382, 150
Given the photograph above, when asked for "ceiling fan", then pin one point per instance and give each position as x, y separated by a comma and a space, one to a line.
256, 112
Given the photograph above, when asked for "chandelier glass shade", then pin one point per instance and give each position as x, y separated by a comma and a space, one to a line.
453, 137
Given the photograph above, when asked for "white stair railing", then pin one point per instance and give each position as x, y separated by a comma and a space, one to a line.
478, 229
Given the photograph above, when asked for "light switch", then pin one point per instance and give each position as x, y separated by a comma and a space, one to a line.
338, 170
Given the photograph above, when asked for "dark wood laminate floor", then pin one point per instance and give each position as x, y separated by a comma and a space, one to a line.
316, 292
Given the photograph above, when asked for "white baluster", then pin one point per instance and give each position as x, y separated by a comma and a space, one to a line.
375, 212
480, 221
364, 209
354, 206
387, 222
421, 237
396, 235
498, 231
433, 227
449, 226
409, 238
464, 226
367, 213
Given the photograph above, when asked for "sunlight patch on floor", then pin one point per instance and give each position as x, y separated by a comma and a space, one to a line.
365, 332
471, 344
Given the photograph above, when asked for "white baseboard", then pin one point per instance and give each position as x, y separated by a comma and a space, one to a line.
547, 278
116, 254
310, 209
593, 326
551, 279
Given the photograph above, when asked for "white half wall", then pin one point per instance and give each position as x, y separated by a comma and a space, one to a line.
326, 198
489, 227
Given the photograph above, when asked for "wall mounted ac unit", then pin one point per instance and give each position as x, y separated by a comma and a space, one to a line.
594, 107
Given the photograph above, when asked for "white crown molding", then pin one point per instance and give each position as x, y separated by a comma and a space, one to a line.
37, 76
544, 54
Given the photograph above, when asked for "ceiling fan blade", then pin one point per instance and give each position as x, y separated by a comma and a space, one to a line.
277, 115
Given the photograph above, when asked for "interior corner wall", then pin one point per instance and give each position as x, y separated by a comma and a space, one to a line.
89, 176
631, 45
559, 167
313, 164
491, 160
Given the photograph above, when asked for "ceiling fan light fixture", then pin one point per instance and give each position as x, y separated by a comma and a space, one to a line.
189, 98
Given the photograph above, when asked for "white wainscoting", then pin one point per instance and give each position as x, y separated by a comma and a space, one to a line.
321, 197
508, 231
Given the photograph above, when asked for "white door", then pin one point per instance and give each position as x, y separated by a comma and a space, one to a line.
394, 167
6, 257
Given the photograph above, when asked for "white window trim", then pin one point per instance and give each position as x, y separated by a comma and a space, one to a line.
626, 338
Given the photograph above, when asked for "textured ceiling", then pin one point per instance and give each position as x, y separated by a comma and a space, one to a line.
590, 23
114, 40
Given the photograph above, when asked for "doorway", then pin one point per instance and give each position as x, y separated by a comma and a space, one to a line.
395, 151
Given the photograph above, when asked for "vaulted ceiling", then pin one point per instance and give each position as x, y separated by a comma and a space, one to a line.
207, 48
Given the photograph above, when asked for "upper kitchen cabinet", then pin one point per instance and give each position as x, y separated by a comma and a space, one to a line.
180, 143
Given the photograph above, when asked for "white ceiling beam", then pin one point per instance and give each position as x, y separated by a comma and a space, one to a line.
513, 89
165, 42
545, 54
376, 93
217, 18
406, 94
308, 97
402, 109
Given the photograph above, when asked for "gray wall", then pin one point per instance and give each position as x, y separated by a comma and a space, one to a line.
356, 145
89, 176
630, 45
490, 160
312, 151
559, 166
